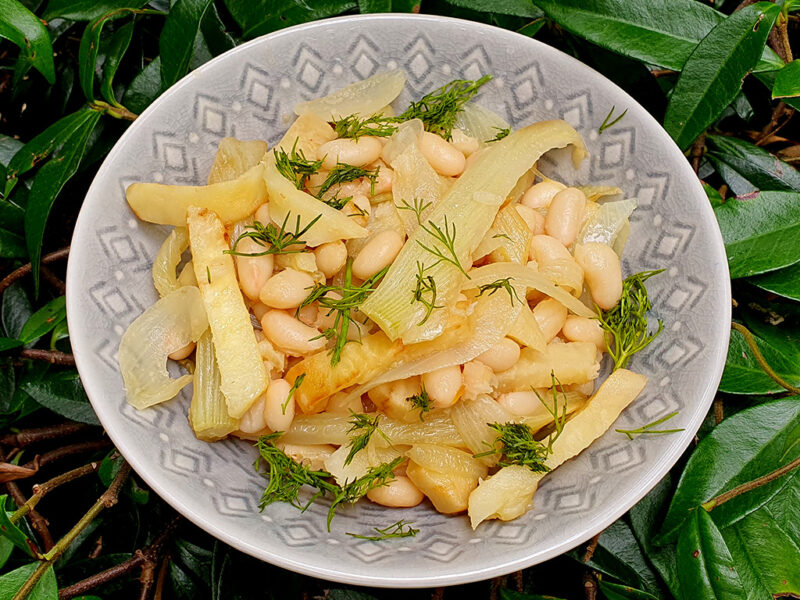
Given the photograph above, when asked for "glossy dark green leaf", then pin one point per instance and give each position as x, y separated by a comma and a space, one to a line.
743, 375
6, 549
518, 8
221, 579
144, 88
117, 46
761, 232
44, 320
616, 591
21, 27
706, 568
63, 394
45, 589
712, 75
787, 83
12, 245
769, 77
742, 448
8, 148
60, 332
11, 532
48, 183
214, 32
87, 10
506, 594
184, 586
7, 387
285, 13
177, 39
196, 559
785, 282
760, 169
378, 6
9, 343
15, 309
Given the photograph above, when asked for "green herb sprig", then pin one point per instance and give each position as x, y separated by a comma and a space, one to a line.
648, 429
607, 123
357, 489
502, 132
421, 401
342, 173
626, 324
274, 240
295, 386
401, 529
446, 236
295, 166
425, 292
439, 110
375, 126
361, 429
501, 284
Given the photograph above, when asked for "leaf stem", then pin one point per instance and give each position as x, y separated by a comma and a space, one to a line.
118, 112
750, 485
751, 342
40, 491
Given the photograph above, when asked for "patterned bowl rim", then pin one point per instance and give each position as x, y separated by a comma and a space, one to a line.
82, 349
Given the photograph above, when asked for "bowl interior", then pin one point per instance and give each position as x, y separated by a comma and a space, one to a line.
249, 93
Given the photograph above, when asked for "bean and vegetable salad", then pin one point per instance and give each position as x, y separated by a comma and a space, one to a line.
394, 306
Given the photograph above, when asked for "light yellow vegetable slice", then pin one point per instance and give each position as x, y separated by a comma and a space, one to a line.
208, 412
448, 492
571, 362
569, 401
511, 495
165, 277
471, 418
373, 455
444, 459
231, 200
306, 135
526, 330
361, 98
470, 207
242, 371
511, 230
481, 123
170, 324
186, 276
594, 192
234, 157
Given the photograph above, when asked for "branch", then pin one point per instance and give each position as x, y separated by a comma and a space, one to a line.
66, 451
750, 485
751, 342
54, 357
108, 499
591, 547
25, 269
26, 437
697, 152
38, 522
40, 491
53, 280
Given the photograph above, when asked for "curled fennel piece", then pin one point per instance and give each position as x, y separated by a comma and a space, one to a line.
470, 207
362, 98
170, 324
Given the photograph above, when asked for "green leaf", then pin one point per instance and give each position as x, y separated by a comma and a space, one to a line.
339, 594
6, 549
86, 10
378, 6
11, 532
21, 27
706, 568
8, 148
743, 375
742, 448
144, 88
746, 168
615, 591
787, 83
45, 589
48, 183
258, 18
518, 8
214, 32
63, 394
117, 47
15, 310
785, 282
713, 73
60, 332
44, 320
12, 245
761, 232
176, 42
506, 594
9, 343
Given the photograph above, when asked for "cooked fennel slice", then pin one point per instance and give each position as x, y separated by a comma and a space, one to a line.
165, 278
481, 123
523, 276
570, 362
594, 192
169, 325
471, 418
362, 98
234, 157
308, 132
514, 235
208, 412
470, 207
242, 372
505, 500
166, 204
607, 222
445, 459
526, 330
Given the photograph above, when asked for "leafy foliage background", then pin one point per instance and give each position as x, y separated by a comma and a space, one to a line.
719, 75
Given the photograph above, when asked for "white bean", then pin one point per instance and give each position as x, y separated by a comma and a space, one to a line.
478, 379
533, 219
398, 493
378, 253
253, 420
290, 335
262, 214
182, 353
279, 409
541, 194
466, 144
383, 182
441, 155
503, 355
253, 271
550, 315
521, 404
565, 214
545, 250
331, 257
308, 314
443, 385
581, 329
259, 310
602, 271
358, 153
286, 289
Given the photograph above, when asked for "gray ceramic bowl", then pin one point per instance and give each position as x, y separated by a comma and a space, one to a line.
249, 92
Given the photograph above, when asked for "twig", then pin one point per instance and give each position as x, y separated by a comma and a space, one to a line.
162, 577
771, 128
589, 585
40, 491
54, 357
38, 522
26, 437
662, 72
591, 547
751, 342
148, 555
438, 594
719, 410
750, 485
107, 499
519, 581
25, 269
697, 152
53, 280
66, 451
497, 584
